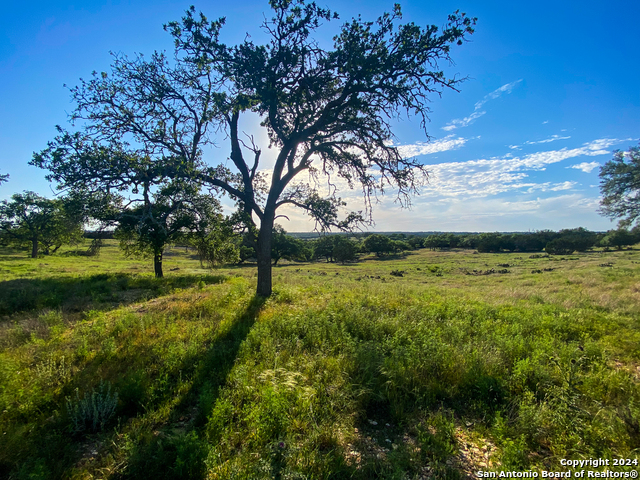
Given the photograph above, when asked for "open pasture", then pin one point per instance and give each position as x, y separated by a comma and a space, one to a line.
435, 364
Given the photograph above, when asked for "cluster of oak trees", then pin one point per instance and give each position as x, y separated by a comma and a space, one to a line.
41, 224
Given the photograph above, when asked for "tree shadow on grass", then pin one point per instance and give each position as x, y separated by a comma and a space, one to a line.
171, 450
219, 359
179, 449
99, 292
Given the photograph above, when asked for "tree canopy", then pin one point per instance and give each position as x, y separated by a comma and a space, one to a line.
620, 186
379, 244
41, 223
327, 112
620, 238
288, 247
176, 212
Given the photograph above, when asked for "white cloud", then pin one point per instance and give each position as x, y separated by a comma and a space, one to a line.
447, 143
552, 138
464, 122
486, 177
545, 122
457, 123
586, 167
563, 186
545, 187
518, 213
497, 92
464, 195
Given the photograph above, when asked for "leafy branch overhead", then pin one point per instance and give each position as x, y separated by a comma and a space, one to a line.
327, 112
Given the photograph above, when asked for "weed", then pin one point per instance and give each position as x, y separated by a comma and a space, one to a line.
53, 371
94, 410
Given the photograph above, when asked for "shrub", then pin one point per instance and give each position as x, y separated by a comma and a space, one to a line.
53, 371
93, 411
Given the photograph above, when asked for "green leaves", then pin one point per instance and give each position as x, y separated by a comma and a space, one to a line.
620, 186
40, 223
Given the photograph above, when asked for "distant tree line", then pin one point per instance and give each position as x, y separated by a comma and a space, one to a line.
563, 242
344, 248
180, 215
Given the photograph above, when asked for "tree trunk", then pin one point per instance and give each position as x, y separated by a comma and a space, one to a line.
34, 248
157, 264
263, 254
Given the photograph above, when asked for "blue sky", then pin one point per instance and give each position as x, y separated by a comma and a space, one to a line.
553, 90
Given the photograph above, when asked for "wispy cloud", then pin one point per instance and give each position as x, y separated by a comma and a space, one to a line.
447, 143
463, 122
586, 167
485, 177
552, 138
507, 88
477, 112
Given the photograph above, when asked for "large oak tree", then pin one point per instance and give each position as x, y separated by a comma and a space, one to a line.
328, 112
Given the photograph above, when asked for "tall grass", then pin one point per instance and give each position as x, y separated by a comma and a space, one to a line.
338, 375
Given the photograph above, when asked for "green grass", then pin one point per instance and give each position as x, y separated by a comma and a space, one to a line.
345, 372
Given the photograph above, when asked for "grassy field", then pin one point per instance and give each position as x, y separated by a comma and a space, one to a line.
431, 365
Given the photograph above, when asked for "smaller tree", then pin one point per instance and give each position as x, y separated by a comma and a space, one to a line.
41, 223
246, 247
415, 242
323, 247
213, 240
344, 249
619, 238
469, 241
175, 213
401, 246
379, 244
620, 186
489, 242
560, 246
287, 247
581, 238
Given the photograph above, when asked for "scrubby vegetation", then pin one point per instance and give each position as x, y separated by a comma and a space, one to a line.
397, 366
